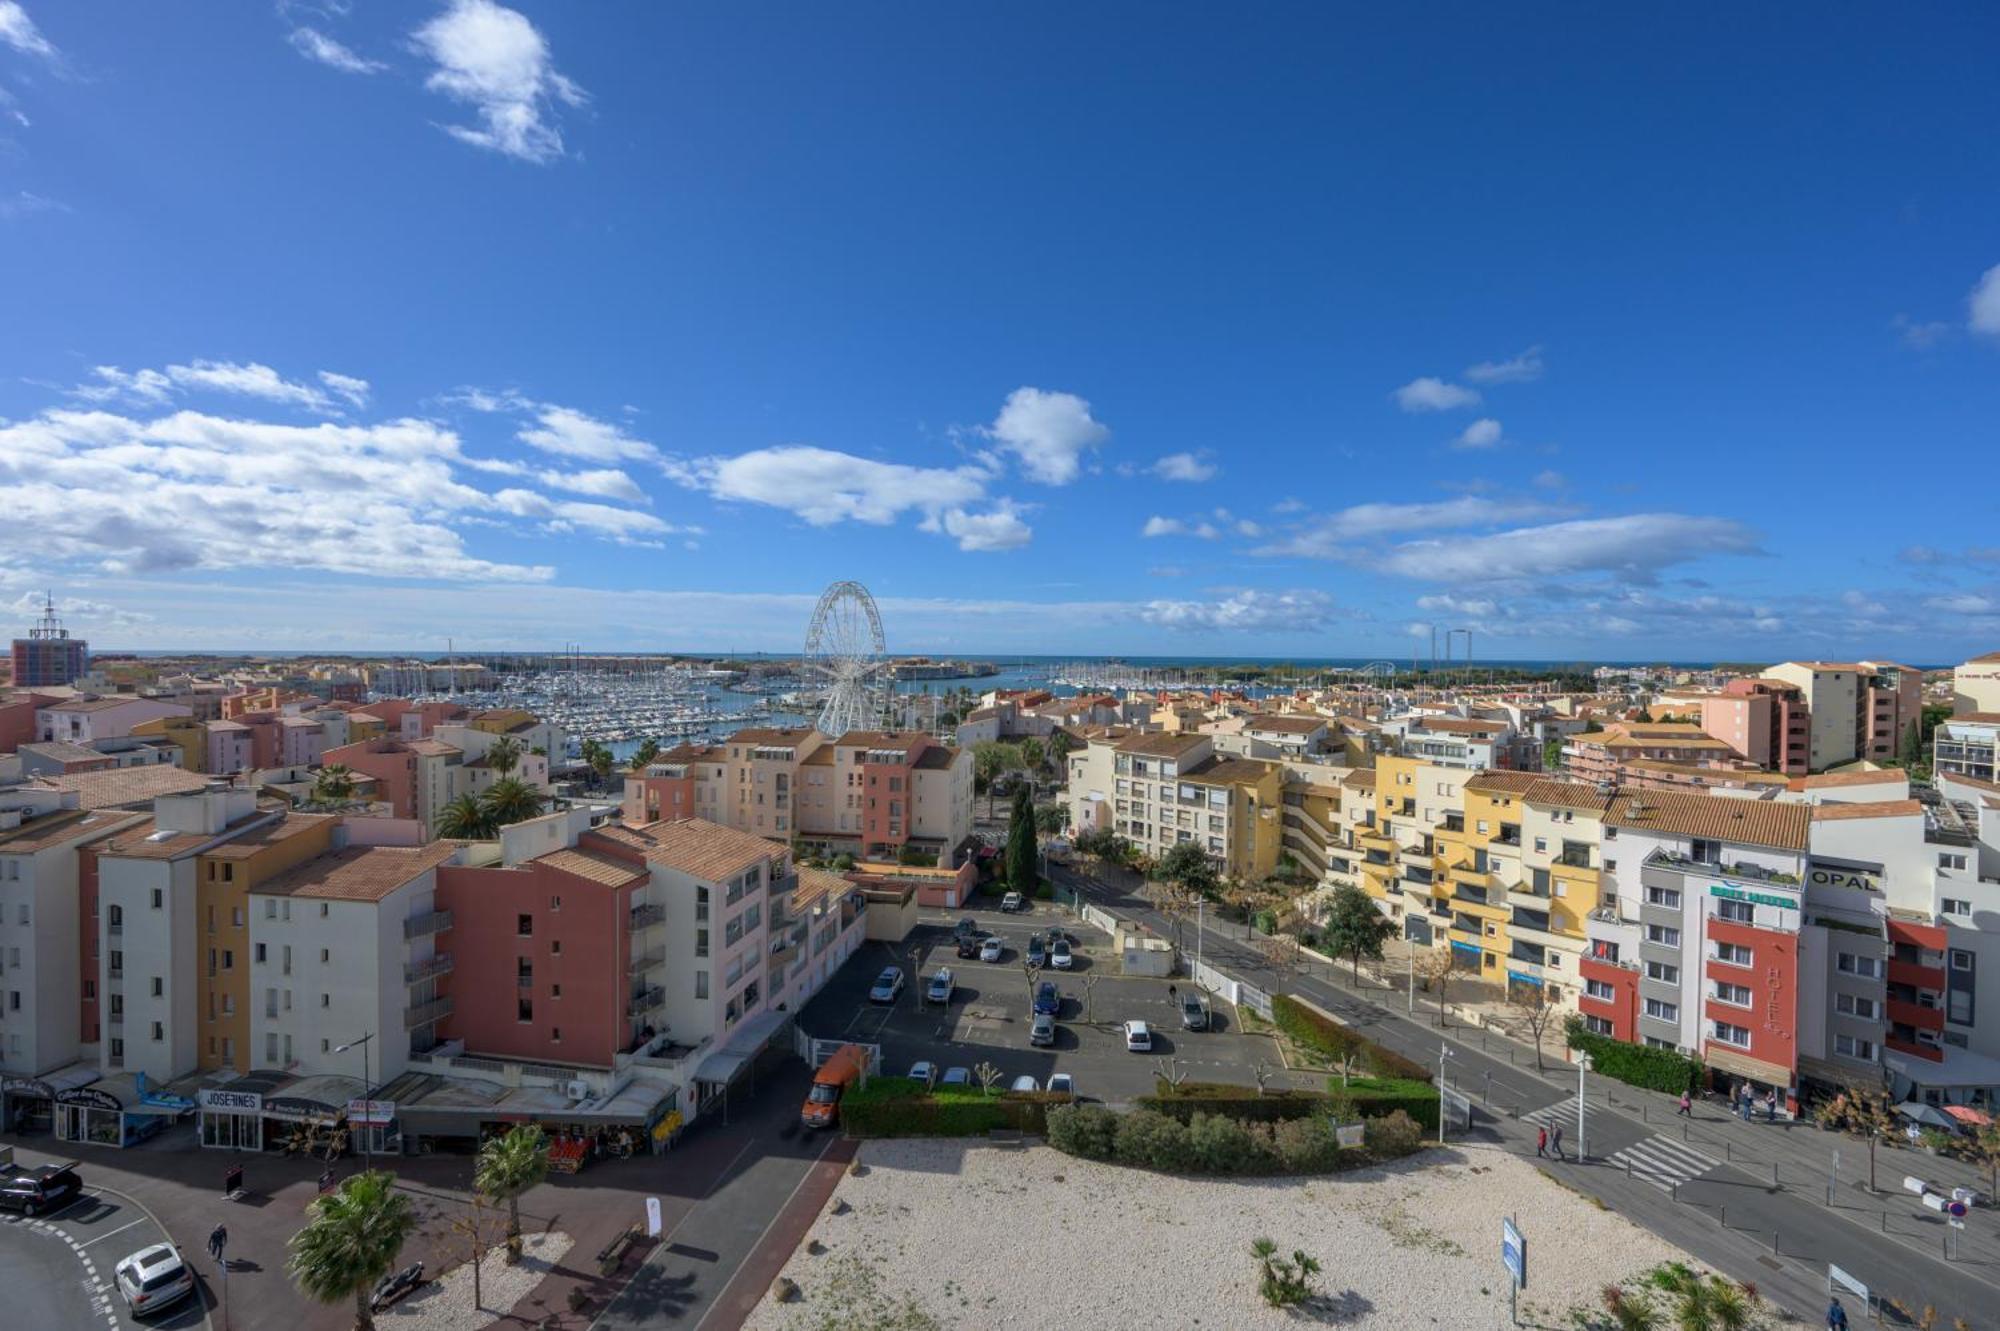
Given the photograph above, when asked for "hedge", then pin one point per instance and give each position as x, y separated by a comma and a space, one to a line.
1219, 1144
1326, 1037
899, 1107
1364, 1097
1633, 1064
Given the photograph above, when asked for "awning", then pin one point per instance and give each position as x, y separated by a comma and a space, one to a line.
51, 1084
1966, 1114
1928, 1116
727, 1063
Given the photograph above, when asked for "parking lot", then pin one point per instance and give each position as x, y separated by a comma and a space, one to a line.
988, 1018
57, 1268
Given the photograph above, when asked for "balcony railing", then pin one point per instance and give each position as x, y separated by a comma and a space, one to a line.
645, 961
416, 972
115, 927
426, 924
1750, 871
423, 1014
646, 999
1574, 859
524, 982
115, 1019
646, 916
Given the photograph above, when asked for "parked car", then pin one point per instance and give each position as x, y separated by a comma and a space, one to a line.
153, 1278
1042, 1030
1048, 998
941, 986
1013, 901
967, 927
39, 1191
967, 947
847, 1066
993, 948
1059, 954
956, 1077
1025, 1083
924, 1074
1194, 1012
1058, 852
1061, 1083
1038, 950
888, 985
1138, 1038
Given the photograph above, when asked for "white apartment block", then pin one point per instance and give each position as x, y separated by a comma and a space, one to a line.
1975, 686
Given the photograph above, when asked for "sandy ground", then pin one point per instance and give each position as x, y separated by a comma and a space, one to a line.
446, 1304
974, 1234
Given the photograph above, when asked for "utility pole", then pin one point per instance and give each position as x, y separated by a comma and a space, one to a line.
1444, 1052
1582, 1066
1413, 975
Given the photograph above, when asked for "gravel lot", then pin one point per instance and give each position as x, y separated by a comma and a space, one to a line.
981, 1235
446, 1304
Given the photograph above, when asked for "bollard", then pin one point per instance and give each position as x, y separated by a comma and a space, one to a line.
1774, 1175
1728, 1153
1684, 1132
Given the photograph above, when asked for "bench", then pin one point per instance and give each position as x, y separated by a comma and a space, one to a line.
613, 1253
1004, 1136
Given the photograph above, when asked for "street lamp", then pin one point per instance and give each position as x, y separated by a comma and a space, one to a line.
367, 1089
1582, 1066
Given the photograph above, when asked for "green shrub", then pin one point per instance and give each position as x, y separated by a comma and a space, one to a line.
1090, 1131
899, 1107
1635, 1065
1377, 1097
1152, 1140
1363, 1097
1319, 1034
1307, 1145
1393, 1136
1220, 1145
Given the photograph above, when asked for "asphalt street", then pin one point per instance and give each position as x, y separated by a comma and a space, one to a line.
1705, 1185
56, 1270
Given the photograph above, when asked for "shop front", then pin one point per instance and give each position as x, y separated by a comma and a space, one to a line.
28, 1104
231, 1119
309, 1116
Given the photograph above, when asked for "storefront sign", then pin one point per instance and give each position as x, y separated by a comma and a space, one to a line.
1849, 878
28, 1087
287, 1106
371, 1113
90, 1099
232, 1102
1760, 898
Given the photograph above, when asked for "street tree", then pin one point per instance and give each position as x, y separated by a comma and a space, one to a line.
1535, 1009
1090, 979
503, 755
1188, 865
988, 1075
465, 819
1983, 1150
350, 1240
1354, 928
476, 1227
510, 801
1022, 873
642, 757
334, 783
508, 1166
1437, 969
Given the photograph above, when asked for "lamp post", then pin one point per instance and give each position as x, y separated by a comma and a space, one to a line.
1582, 1066
1444, 1053
367, 1089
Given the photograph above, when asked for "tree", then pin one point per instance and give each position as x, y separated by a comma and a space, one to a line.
991, 758
1912, 752
1060, 747
1033, 754
988, 1075
601, 762
1282, 951
1051, 819
1533, 1004
1353, 928
1090, 979
475, 1226
1983, 1150
1176, 903
1284, 1284
1188, 865
1032, 973
1867, 1113
642, 757
503, 755
334, 783
465, 819
1022, 874
351, 1239
508, 1166
1437, 969
511, 801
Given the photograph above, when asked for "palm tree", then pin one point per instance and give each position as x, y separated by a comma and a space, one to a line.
503, 755
466, 819
335, 783
351, 1240
642, 757
511, 801
508, 1166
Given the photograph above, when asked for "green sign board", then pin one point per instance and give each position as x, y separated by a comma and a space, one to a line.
1761, 898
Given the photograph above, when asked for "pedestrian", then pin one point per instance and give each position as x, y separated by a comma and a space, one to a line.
1556, 1141
1771, 1106
1836, 1317
1687, 1106
218, 1239
1542, 1143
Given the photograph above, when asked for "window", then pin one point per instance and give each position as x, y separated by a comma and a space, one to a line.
1742, 912
1850, 964
159, 987
260, 954
701, 984
1661, 1010
325, 956
1739, 994
326, 1000
555, 1035
524, 925
1958, 1007
1598, 989
1541, 843
1661, 971
1655, 1042
1847, 1046
160, 897
1735, 954
555, 904
1950, 859
1853, 1005
1661, 934
1663, 896
159, 1030
701, 942
752, 917
228, 958
1597, 1025
555, 991
1736, 1035
555, 947
527, 1010
1955, 906
236, 916
270, 908
1961, 960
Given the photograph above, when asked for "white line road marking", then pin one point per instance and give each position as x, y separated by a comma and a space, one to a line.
120, 1230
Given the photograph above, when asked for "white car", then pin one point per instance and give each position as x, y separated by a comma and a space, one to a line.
1025, 1083
924, 1074
1061, 1083
992, 949
1138, 1038
154, 1278
1059, 954
1013, 901
888, 985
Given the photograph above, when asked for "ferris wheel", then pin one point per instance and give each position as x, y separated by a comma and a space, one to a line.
844, 656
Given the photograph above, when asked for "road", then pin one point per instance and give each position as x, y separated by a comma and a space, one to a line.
56, 1269
1705, 1185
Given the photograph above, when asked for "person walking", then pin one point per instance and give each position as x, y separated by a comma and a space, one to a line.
1556, 1142
1541, 1143
1686, 1109
1836, 1317
1771, 1106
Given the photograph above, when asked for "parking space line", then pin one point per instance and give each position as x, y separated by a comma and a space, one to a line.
120, 1230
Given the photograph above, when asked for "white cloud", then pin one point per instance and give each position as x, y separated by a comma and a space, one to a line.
605, 483
824, 486
494, 60
353, 389
1921, 334
19, 31
1550, 480
1983, 305
1635, 547
1430, 394
1331, 536
1183, 467
1446, 603
251, 380
113, 384
1048, 432
316, 45
1002, 529
1159, 526
23, 203
627, 526
1289, 505
1521, 369
570, 433
1246, 611
1965, 603
1482, 433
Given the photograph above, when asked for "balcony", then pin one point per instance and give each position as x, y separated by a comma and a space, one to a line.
645, 1000
114, 928
416, 972
1917, 975
426, 924
524, 983
645, 961
424, 1014
1421, 877
1574, 859
1508, 835
1467, 893
115, 1019
646, 916
1918, 1015
1748, 872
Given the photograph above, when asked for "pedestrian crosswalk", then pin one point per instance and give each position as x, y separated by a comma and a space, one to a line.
1663, 1162
1563, 1112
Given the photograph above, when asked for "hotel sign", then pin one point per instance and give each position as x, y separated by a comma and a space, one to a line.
1729, 893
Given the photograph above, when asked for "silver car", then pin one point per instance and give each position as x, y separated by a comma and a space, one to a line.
154, 1278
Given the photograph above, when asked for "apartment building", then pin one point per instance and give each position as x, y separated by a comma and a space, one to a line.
868, 793
1967, 745
1293, 736
1764, 721
1975, 686
1858, 710
1646, 753
81, 719
1401, 846
1468, 743
1157, 790
416, 778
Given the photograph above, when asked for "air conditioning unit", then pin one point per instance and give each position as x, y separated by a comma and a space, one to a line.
577, 1090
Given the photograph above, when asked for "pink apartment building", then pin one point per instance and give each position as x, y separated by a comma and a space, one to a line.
1764, 720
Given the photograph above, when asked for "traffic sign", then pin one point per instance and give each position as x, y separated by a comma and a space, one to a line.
1514, 1252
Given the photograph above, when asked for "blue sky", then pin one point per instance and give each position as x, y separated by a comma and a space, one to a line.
1603, 333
